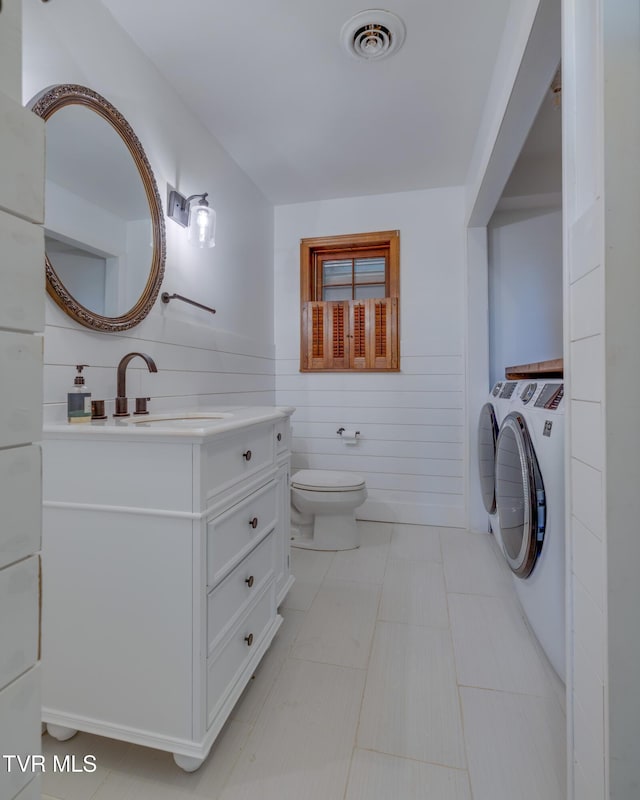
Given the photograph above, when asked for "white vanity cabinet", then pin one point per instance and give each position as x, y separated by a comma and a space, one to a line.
165, 556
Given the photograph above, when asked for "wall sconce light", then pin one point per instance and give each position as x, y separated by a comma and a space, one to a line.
196, 214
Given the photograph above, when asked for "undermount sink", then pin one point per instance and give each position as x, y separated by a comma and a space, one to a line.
193, 420
171, 425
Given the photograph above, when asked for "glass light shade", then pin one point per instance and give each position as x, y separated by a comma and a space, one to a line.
202, 224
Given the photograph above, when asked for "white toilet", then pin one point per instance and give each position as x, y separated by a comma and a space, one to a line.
323, 504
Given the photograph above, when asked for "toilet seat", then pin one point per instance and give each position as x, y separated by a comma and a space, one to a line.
320, 480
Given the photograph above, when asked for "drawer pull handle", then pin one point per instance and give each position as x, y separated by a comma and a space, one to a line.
254, 523
249, 639
249, 581
279, 437
247, 455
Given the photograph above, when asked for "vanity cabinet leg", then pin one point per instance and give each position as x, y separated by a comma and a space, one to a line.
188, 763
60, 732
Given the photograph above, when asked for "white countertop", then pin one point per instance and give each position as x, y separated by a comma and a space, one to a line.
182, 424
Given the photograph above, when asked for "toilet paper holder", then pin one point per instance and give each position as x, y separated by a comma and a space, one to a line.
340, 431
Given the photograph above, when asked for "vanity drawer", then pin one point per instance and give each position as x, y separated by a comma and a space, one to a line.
282, 435
231, 459
231, 535
225, 667
230, 598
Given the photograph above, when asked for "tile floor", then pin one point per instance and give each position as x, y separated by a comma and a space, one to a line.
403, 670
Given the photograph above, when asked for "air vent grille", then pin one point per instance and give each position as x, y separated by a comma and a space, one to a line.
373, 34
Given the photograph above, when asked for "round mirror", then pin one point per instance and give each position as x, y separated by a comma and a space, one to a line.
104, 225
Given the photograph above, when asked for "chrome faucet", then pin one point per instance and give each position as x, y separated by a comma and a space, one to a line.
121, 399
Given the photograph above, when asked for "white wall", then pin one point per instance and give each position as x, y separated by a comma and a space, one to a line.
21, 321
621, 68
201, 358
139, 238
585, 337
602, 176
412, 423
525, 288
84, 271
537, 176
69, 216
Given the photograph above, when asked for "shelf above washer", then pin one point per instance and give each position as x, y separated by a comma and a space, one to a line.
553, 368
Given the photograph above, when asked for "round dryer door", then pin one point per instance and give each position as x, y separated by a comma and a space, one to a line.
487, 440
520, 496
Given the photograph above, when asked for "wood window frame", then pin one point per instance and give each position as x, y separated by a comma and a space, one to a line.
318, 351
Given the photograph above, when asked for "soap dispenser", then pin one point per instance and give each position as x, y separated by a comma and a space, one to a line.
79, 399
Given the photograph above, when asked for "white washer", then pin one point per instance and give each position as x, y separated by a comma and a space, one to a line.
530, 500
492, 413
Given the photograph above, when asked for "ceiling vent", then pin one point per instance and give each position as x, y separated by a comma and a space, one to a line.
373, 34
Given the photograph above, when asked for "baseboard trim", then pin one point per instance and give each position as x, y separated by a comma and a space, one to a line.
412, 514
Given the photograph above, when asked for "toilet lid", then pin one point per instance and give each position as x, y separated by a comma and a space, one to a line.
325, 480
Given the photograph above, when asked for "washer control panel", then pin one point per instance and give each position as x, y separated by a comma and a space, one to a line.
528, 392
550, 396
508, 389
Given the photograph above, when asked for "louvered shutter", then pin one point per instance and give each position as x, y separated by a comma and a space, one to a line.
314, 340
338, 318
383, 331
325, 345
350, 334
374, 325
358, 334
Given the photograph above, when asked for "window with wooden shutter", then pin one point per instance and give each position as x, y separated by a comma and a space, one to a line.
325, 328
349, 302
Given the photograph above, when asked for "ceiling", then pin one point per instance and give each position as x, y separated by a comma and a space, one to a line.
305, 120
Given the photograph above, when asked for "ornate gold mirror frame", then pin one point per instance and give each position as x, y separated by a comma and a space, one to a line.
45, 106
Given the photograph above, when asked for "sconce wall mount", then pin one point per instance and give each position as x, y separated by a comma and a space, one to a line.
178, 209
194, 213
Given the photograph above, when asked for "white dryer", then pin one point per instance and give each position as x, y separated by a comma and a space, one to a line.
491, 415
530, 501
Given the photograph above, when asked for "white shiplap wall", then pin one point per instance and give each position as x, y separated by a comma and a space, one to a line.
602, 73
621, 435
197, 365
412, 423
587, 707
21, 323
202, 359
